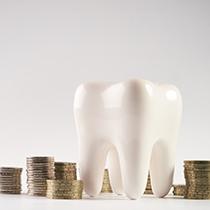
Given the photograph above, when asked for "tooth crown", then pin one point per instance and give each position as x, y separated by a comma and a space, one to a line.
136, 124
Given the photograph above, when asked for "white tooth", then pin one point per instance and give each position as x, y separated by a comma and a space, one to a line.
133, 120
115, 171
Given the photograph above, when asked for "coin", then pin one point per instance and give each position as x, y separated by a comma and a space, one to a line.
197, 177
148, 189
179, 190
39, 169
64, 189
10, 180
65, 170
106, 186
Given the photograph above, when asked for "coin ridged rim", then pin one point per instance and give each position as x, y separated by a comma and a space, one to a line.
65, 163
41, 174
72, 169
36, 194
64, 198
197, 161
149, 192
10, 178
64, 194
179, 186
63, 181
10, 192
10, 170
39, 157
202, 169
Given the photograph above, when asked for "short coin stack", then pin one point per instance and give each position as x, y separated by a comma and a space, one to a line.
197, 176
65, 170
148, 189
64, 189
179, 190
39, 169
106, 187
10, 180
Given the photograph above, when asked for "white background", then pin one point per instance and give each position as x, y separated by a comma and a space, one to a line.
47, 48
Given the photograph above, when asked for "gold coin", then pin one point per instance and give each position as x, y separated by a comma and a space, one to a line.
179, 190
106, 186
148, 189
10, 180
64, 189
197, 176
39, 169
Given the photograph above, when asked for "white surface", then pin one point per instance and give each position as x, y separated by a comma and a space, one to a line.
106, 202
136, 122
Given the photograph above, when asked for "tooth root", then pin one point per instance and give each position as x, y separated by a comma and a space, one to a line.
115, 172
134, 162
92, 163
162, 167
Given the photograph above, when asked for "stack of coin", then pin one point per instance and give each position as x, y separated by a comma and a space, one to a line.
64, 170
148, 189
39, 169
179, 189
10, 180
106, 187
64, 189
197, 176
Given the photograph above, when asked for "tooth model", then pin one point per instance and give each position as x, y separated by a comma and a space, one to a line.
135, 123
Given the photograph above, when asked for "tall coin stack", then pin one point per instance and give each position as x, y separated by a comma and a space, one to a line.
65, 170
106, 187
64, 189
197, 176
10, 180
148, 189
39, 169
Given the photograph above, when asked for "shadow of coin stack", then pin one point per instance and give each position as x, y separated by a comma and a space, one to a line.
65, 185
39, 169
106, 187
197, 176
10, 180
148, 189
